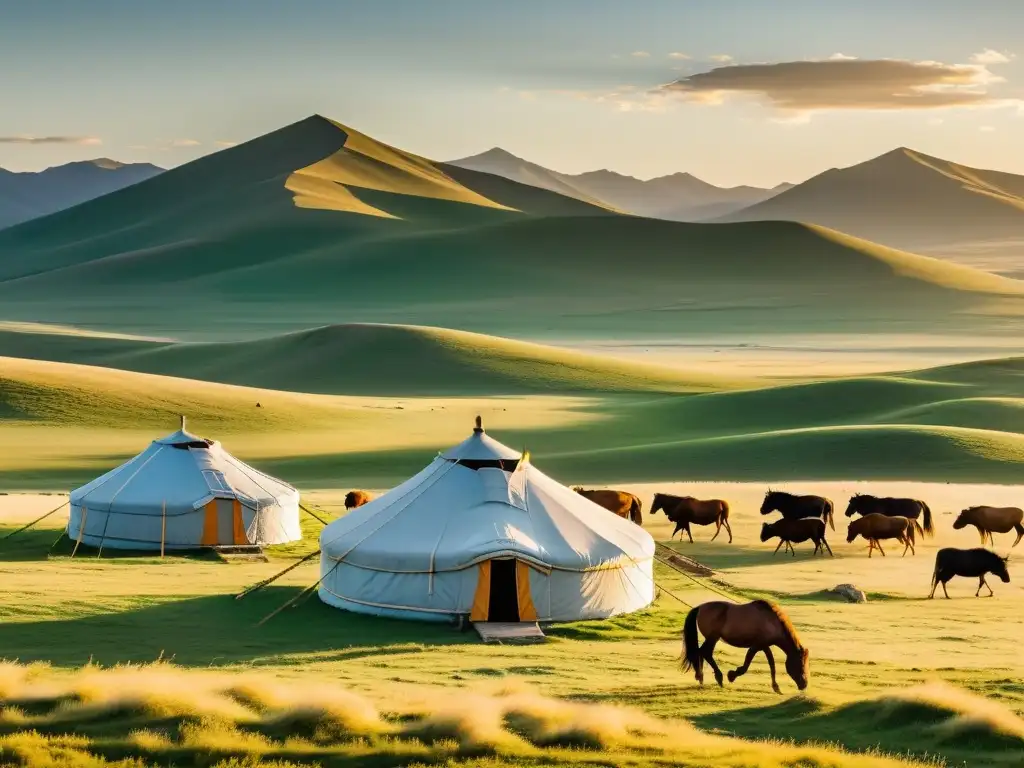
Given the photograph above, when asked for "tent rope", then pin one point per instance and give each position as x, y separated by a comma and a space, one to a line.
267, 582
37, 520
695, 580
306, 509
296, 599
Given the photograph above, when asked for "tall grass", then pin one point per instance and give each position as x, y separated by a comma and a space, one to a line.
141, 715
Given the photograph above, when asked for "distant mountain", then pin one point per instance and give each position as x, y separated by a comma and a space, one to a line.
679, 197
319, 224
906, 199
25, 196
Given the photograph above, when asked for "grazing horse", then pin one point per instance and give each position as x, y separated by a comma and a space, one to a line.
795, 507
684, 510
866, 504
875, 526
355, 499
972, 563
756, 626
989, 520
621, 503
796, 531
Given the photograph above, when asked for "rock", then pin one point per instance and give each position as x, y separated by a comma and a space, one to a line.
850, 593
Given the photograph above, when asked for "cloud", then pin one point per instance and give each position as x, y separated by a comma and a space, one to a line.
82, 141
844, 84
841, 57
226, 144
678, 55
989, 56
640, 55
184, 143
721, 58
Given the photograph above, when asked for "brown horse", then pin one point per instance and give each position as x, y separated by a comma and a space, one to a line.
355, 499
866, 504
875, 526
623, 504
684, 510
756, 626
797, 531
989, 520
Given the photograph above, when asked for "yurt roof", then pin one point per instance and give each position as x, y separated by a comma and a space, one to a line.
452, 515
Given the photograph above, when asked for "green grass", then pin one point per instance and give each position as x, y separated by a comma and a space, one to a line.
931, 681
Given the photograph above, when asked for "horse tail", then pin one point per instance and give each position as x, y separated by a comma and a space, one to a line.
929, 528
723, 511
827, 516
636, 511
691, 644
918, 528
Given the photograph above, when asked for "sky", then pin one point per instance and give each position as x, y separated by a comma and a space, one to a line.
734, 91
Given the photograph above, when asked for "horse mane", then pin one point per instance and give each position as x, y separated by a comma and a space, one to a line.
787, 625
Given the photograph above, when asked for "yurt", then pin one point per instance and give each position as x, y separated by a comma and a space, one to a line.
483, 534
184, 492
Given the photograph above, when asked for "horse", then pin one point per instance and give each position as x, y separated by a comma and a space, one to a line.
866, 504
684, 510
756, 626
797, 531
795, 507
951, 562
989, 520
623, 504
355, 499
876, 526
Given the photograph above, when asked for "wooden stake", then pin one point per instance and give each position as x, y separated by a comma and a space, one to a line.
163, 519
81, 530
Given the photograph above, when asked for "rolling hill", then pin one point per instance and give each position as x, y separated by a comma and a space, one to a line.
678, 197
385, 360
317, 224
25, 196
908, 200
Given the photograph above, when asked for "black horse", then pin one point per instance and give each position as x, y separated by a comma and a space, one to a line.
866, 504
796, 507
972, 563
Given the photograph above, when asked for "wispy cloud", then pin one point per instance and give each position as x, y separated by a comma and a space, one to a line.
678, 55
844, 84
721, 58
185, 143
640, 55
82, 141
990, 56
226, 144
841, 57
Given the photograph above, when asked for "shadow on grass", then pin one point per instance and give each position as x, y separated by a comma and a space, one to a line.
914, 728
220, 630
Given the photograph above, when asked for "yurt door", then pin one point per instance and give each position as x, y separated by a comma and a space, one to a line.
503, 602
503, 592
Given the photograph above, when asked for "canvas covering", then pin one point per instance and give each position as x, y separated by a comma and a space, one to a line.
421, 550
184, 492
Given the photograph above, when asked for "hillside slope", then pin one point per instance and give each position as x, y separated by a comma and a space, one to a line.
677, 197
905, 199
28, 195
317, 224
386, 360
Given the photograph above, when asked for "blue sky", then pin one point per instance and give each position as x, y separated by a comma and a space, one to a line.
570, 84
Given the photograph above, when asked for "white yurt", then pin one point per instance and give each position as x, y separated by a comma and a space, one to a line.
482, 533
184, 492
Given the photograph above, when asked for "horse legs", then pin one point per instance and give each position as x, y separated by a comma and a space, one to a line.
718, 529
728, 528
983, 583
825, 542
817, 546
781, 542
707, 651
771, 665
688, 532
906, 541
878, 544
742, 668
990, 539
944, 590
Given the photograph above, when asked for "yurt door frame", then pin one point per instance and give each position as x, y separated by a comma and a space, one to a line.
503, 592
